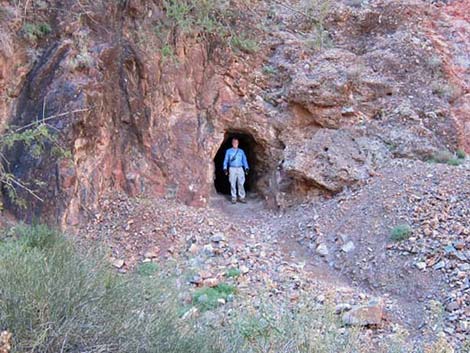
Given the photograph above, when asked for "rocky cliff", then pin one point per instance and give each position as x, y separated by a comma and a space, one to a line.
326, 93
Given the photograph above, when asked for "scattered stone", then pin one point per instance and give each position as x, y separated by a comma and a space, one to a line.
218, 237
449, 249
464, 267
5, 341
421, 265
190, 314
194, 249
439, 265
205, 274
341, 308
151, 254
244, 269
209, 250
452, 306
322, 250
197, 280
364, 315
210, 282
349, 246
118, 263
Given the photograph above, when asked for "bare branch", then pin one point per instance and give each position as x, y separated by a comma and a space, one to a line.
51, 117
24, 187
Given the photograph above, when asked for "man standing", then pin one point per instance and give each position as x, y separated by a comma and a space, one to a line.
234, 163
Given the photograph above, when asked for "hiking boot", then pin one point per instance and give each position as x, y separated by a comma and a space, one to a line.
234, 201
242, 200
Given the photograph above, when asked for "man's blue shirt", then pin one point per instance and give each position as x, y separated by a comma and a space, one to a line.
238, 161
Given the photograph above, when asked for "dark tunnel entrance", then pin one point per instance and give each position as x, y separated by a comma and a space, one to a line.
248, 144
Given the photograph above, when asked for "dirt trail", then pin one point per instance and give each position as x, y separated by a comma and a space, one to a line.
268, 226
376, 267
283, 231
277, 251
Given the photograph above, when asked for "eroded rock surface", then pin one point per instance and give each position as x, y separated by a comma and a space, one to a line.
324, 110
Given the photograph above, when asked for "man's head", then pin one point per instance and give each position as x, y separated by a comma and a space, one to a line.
235, 142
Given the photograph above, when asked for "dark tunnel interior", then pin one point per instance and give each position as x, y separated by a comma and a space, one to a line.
248, 144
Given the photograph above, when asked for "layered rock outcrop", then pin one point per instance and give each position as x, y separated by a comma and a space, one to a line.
149, 115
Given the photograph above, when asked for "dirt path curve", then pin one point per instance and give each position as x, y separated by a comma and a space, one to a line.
282, 231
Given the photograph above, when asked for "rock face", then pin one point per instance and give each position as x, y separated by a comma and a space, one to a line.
150, 117
333, 159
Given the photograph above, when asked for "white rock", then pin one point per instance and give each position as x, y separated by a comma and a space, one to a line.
218, 237
421, 265
118, 263
322, 250
244, 270
349, 246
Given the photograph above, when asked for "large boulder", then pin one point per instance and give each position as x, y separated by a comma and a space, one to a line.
333, 159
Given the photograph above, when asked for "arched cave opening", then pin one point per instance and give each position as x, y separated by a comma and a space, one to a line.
252, 150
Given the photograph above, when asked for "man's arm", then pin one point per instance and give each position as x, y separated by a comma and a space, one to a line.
244, 161
226, 160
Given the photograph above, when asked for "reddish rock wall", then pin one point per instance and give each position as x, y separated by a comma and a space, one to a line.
323, 118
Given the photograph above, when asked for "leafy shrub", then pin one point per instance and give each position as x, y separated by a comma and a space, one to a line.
401, 232
35, 237
441, 156
269, 70
208, 298
443, 90
36, 138
460, 154
147, 269
447, 157
167, 52
55, 297
82, 60
434, 63
36, 31
233, 273
454, 161
196, 16
244, 44
316, 11
305, 329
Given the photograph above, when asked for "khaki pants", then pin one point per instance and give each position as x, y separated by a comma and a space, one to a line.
237, 178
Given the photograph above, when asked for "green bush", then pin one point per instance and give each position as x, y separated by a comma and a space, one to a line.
443, 89
54, 298
401, 232
460, 154
269, 70
233, 273
208, 298
167, 52
442, 156
447, 157
454, 161
147, 269
36, 31
244, 44
196, 16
